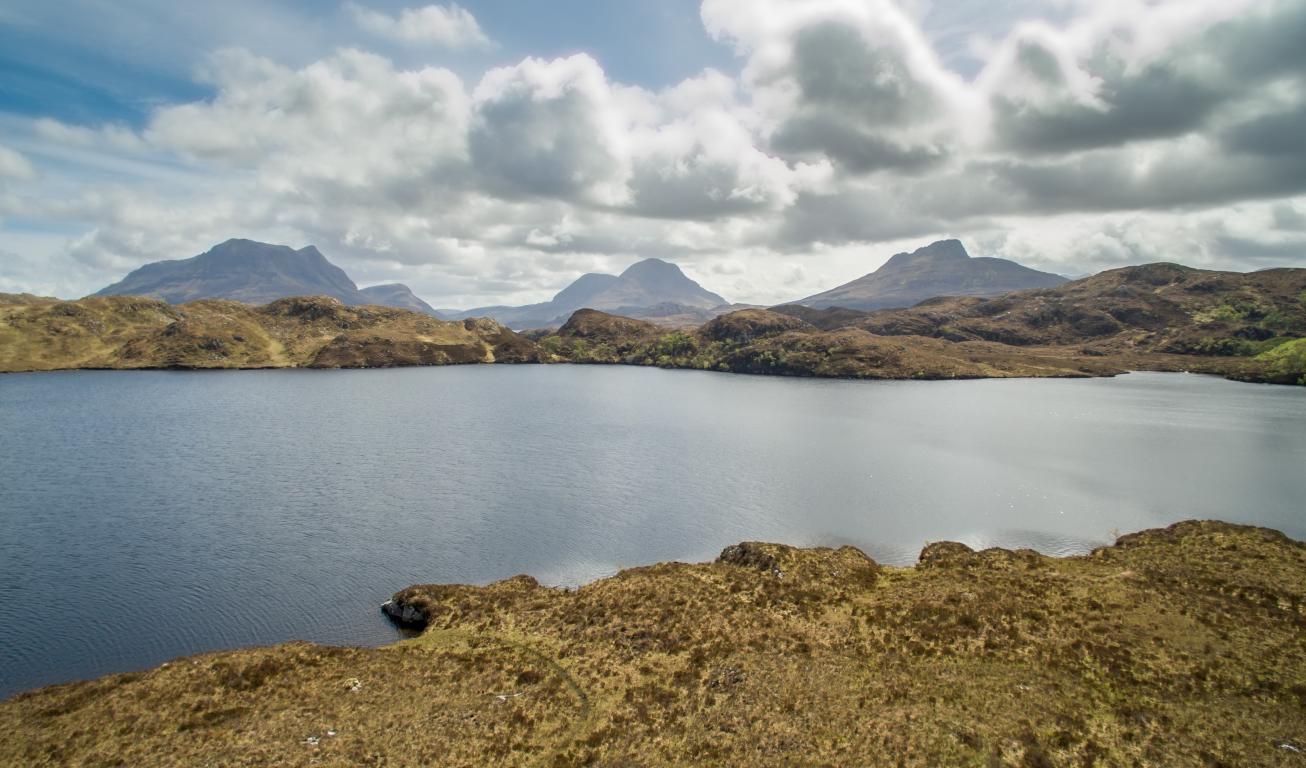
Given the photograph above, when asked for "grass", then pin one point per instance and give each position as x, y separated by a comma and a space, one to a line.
1173, 647
130, 332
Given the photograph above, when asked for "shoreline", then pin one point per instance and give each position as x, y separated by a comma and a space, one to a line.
997, 377
653, 660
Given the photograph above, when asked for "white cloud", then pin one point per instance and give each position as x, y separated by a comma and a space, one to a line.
14, 166
1140, 131
853, 81
451, 26
552, 129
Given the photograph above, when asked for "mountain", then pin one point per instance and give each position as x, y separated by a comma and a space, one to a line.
939, 269
649, 289
1154, 317
399, 296
257, 273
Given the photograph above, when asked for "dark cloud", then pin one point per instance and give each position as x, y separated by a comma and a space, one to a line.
1260, 254
1119, 180
858, 103
848, 217
1280, 135
1174, 92
1155, 103
525, 145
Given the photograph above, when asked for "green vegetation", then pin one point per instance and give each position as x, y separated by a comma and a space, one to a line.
1173, 647
1286, 363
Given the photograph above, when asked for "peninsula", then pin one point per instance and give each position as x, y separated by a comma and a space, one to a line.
1179, 646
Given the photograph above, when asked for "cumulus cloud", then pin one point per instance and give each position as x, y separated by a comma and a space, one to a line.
700, 160
551, 129
848, 80
451, 26
1136, 71
1130, 131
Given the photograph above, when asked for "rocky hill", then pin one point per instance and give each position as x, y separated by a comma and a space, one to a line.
1154, 317
257, 273
315, 332
1179, 647
939, 269
650, 289
1156, 308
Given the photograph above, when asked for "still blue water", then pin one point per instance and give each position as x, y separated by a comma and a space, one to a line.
147, 515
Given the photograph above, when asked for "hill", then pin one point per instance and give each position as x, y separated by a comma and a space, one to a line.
312, 332
1179, 646
1154, 308
1159, 317
1153, 317
939, 269
256, 273
649, 289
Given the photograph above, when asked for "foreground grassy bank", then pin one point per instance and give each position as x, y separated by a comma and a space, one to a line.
1180, 646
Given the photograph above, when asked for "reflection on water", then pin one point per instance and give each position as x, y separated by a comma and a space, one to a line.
154, 514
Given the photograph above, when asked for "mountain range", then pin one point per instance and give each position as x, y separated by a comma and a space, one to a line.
650, 289
257, 273
939, 269
1152, 317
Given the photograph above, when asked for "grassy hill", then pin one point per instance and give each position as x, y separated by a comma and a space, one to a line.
314, 332
1179, 646
1154, 317
1160, 317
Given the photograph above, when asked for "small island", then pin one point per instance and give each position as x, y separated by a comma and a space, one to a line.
1179, 646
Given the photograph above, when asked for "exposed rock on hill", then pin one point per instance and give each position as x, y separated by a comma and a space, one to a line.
751, 324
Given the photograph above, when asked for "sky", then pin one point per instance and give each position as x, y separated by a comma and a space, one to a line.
491, 152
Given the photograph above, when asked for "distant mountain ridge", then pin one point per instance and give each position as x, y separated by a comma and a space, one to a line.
651, 288
257, 273
939, 269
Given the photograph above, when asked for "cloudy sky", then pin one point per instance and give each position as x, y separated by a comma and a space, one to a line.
490, 152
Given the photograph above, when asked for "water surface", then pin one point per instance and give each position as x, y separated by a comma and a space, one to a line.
147, 515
